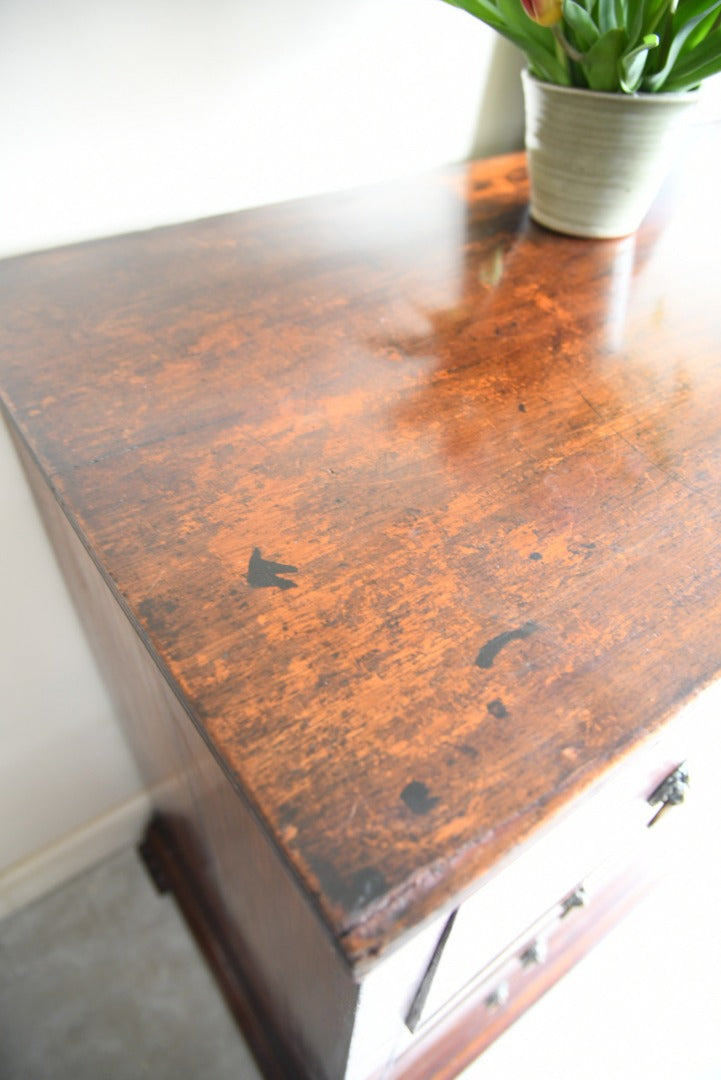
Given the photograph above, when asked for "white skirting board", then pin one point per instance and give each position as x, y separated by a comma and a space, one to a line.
39, 874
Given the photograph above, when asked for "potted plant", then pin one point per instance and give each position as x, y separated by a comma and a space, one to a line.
607, 89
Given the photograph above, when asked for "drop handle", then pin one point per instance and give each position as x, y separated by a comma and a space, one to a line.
499, 996
533, 954
577, 899
670, 792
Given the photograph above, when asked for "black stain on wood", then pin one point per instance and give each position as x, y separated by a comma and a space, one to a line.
157, 613
264, 574
536, 556
417, 797
497, 708
521, 407
582, 549
288, 813
366, 885
491, 649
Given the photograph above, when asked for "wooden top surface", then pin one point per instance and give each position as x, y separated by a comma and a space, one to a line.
485, 457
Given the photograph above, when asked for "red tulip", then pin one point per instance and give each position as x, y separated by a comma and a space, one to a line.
544, 12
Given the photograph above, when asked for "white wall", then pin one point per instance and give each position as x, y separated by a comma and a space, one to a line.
69, 791
122, 114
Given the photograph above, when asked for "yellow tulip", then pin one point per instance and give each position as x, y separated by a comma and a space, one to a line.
544, 12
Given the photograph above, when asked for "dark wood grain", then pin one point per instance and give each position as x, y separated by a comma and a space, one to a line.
284, 976
415, 504
171, 872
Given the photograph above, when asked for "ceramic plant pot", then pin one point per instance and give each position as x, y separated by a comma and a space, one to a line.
596, 160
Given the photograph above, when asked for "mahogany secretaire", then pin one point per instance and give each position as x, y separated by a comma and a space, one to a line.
395, 522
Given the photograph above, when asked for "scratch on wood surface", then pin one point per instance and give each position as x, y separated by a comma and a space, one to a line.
670, 473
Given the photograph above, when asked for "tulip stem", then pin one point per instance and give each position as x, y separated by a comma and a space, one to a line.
566, 45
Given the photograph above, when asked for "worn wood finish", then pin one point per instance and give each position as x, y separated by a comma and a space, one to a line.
283, 975
415, 504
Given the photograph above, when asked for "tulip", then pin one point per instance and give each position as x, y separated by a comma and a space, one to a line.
544, 12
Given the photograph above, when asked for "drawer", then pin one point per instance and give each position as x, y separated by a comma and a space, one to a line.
509, 924
511, 940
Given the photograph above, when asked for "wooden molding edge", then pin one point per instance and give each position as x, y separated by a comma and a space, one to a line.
171, 873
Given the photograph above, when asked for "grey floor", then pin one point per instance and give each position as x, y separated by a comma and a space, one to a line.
100, 981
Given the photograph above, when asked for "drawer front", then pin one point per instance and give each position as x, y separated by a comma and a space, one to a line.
513, 918
431, 1008
451, 1033
442, 1047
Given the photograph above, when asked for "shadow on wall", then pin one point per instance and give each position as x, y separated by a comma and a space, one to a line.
499, 127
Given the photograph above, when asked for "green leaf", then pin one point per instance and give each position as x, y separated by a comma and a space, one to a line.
654, 10
636, 13
536, 42
607, 15
691, 81
632, 63
602, 61
545, 66
657, 11
690, 10
481, 9
692, 69
584, 29
704, 27
684, 23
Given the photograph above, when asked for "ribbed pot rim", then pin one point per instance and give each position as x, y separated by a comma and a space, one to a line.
659, 98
